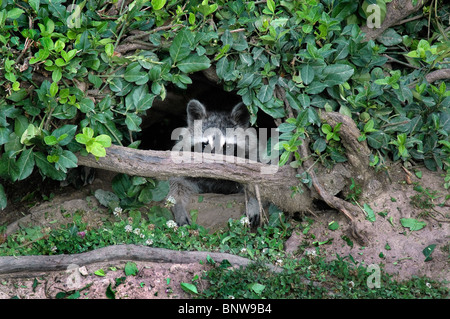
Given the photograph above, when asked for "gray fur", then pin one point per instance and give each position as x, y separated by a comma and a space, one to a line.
214, 129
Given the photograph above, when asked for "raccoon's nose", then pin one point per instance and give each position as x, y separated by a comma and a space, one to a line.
204, 144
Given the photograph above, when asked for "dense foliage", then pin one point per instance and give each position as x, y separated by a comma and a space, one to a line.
79, 76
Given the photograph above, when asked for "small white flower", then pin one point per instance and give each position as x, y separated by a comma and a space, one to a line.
54, 249
171, 224
245, 221
428, 285
170, 201
117, 211
149, 242
244, 250
279, 262
142, 236
137, 231
351, 284
230, 297
310, 252
128, 228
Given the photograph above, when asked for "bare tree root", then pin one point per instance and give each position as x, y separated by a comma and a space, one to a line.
16, 264
358, 159
339, 204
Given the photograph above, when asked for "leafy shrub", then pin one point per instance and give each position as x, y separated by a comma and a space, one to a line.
75, 78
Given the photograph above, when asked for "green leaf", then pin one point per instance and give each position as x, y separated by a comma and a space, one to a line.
256, 288
133, 73
131, 269
14, 13
25, 164
370, 213
265, 93
390, 37
307, 74
133, 122
337, 74
179, 48
4, 135
190, 288
427, 251
412, 224
104, 140
158, 4
50, 140
110, 293
67, 160
34, 4
160, 191
100, 272
333, 225
107, 198
48, 169
271, 5
54, 88
3, 199
194, 63
65, 134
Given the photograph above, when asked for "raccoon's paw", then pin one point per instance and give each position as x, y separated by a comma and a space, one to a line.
254, 219
184, 220
180, 214
253, 212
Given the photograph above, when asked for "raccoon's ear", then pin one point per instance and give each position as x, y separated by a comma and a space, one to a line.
195, 111
240, 115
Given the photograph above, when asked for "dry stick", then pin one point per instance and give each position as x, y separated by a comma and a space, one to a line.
143, 34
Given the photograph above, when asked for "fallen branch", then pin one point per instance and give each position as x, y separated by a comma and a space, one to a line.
438, 75
160, 164
396, 11
15, 264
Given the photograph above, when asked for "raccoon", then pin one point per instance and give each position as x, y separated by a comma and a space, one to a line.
214, 139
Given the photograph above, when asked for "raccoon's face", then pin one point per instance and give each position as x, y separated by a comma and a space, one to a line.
210, 128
